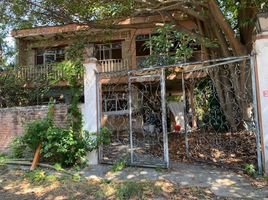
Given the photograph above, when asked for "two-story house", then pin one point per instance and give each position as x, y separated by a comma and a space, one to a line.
117, 50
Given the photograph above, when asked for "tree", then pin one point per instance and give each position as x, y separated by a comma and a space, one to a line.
229, 22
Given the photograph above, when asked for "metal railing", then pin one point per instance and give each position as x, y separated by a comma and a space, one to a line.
114, 65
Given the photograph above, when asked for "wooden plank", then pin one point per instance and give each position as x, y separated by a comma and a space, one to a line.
36, 157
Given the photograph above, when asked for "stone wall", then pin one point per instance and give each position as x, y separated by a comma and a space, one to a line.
12, 120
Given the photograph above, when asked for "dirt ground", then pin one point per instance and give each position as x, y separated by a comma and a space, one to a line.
18, 184
131, 183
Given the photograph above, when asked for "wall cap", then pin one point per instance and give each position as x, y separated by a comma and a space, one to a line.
90, 60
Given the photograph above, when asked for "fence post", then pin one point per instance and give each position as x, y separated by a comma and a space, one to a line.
90, 110
261, 74
256, 115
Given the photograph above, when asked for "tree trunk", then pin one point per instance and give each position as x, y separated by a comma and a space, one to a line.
218, 16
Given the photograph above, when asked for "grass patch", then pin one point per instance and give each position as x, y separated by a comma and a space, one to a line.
38, 184
137, 189
130, 189
39, 176
3, 159
160, 169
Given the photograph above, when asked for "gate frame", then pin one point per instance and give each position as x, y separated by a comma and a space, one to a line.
218, 62
162, 77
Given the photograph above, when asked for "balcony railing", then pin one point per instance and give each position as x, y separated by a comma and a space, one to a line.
50, 71
114, 65
38, 72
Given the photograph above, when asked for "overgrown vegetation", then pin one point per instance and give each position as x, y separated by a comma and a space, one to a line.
208, 108
169, 46
67, 145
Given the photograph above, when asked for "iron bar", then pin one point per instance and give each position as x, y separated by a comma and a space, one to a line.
215, 65
232, 59
98, 84
185, 117
256, 115
164, 116
130, 120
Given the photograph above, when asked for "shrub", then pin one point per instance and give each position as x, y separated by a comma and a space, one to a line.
62, 145
66, 146
35, 132
17, 147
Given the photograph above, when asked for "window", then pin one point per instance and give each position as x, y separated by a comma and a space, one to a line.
109, 51
45, 56
141, 49
114, 102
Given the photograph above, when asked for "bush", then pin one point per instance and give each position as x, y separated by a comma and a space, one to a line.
62, 146
66, 146
35, 132
17, 147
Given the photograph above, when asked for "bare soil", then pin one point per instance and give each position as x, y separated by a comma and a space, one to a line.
19, 184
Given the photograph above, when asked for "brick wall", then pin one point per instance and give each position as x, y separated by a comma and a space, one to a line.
12, 120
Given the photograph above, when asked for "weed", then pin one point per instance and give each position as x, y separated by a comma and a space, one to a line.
76, 177
105, 181
39, 176
250, 169
130, 189
159, 169
51, 178
36, 176
119, 165
3, 159
58, 167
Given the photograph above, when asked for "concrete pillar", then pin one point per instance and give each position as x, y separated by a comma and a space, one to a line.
261, 49
90, 107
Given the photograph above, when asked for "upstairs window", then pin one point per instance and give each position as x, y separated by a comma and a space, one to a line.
109, 51
46, 56
141, 49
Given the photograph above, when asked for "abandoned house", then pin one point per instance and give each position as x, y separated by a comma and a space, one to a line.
154, 113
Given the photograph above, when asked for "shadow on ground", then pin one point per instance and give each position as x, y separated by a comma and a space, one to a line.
222, 182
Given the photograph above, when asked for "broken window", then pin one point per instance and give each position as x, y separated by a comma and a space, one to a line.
109, 51
141, 50
52, 55
112, 102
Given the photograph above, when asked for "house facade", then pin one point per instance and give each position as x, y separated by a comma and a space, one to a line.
116, 49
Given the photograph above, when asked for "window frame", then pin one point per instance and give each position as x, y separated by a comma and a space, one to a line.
101, 49
48, 52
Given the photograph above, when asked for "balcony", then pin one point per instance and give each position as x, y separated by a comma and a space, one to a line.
114, 65
39, 72
49, 71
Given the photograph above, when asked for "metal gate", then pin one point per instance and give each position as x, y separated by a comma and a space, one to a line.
132, 107
221, 117
220, 120
147, 122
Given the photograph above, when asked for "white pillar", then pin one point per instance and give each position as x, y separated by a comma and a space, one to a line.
261, 49
90, 107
